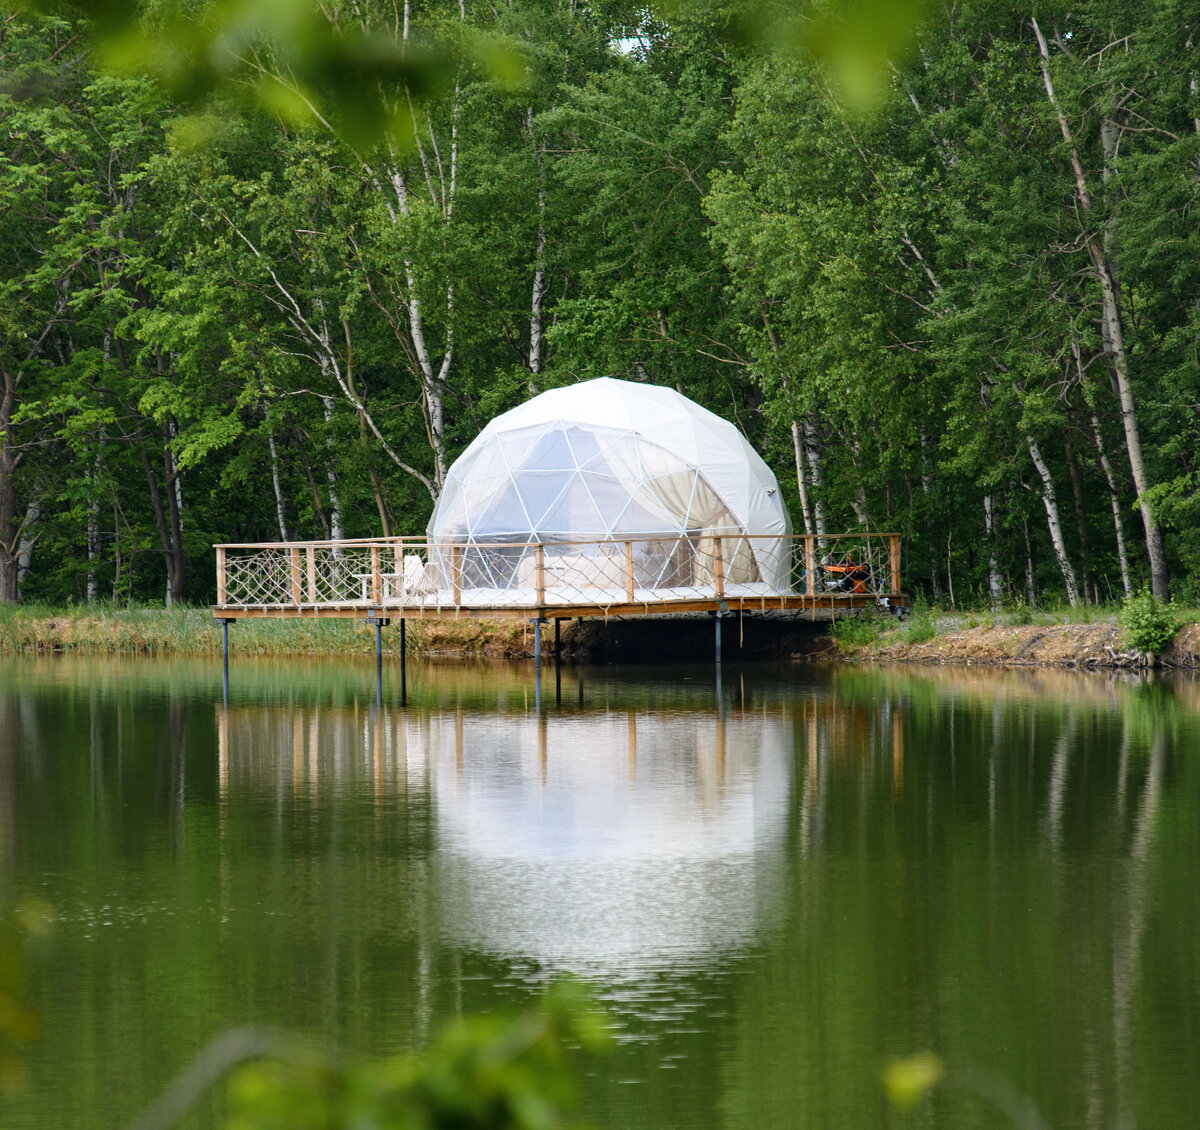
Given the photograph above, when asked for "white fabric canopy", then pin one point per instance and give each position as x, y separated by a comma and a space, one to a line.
608, 460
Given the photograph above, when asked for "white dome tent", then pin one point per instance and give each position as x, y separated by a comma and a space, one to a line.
601, 470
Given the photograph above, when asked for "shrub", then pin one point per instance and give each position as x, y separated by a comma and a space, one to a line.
920, 627
856, 631
1148, 624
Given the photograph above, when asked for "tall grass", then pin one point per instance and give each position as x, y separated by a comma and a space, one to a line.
103, 630
99, 629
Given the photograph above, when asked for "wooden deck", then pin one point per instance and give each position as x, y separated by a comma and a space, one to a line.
413, 578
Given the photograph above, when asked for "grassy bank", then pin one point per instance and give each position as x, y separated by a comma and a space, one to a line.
101, 630
1093, 636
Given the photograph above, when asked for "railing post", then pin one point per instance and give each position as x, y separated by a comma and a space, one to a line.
629, 571
456, 573
221, 576
540, 573
894, 554
376, 579
311, 554
297, 592
398, 569
810, 565
718, 567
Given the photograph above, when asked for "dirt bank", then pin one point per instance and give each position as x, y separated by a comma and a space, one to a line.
649, 640
1029, 645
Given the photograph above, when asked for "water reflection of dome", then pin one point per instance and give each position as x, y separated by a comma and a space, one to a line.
611, 842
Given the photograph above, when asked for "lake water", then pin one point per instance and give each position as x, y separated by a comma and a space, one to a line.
771, 892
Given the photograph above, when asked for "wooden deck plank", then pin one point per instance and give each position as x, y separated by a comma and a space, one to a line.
782, 603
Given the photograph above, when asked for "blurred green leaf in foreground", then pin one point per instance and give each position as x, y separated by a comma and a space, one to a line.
856, 42
27, 918
359, 72
356, 73
492, 1072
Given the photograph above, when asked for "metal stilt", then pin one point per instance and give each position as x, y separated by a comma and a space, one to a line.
403, 665
225, 659
378, 663
378, 623
537, 663
557, 661
718, 616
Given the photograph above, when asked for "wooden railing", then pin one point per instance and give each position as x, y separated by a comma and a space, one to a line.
416, 572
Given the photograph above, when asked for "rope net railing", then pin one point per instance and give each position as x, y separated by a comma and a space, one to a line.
415, 572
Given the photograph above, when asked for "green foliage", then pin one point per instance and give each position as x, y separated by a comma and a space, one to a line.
1020, 613
292, 328
921, 625
317, 72
493, 1072
1147, 623
857, 631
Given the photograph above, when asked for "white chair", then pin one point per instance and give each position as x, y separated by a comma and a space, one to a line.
420, 580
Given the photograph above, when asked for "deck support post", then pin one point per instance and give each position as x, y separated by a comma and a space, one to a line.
718, 616
537, 622
225, 622
403, 665
378, 623
557, 661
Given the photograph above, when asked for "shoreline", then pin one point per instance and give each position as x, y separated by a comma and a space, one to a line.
1095, 646
946, 639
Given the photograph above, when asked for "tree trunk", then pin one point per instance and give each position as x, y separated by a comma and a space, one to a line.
280, 514
171, 555
1030, 591
10, 534
1115, 499
927, 488
93, 534
802, 479
995, 581
335, 504
1081, 525
1114, 340
117, 562
858, 501
539, 266
175, 514
33, 513
812, 449
1050, 501
318, 506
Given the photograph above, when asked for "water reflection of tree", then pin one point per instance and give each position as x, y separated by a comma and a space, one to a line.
985, 872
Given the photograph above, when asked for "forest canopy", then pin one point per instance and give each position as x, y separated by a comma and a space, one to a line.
943, 271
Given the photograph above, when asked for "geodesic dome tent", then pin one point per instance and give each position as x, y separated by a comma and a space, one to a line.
602, 470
